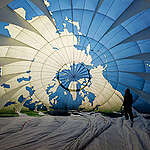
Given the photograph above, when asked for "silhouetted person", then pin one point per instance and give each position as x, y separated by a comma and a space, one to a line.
128, 105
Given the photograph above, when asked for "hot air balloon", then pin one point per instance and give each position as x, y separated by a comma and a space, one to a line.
74, 54
74, 58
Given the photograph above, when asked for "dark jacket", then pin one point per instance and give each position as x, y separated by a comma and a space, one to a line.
128, 100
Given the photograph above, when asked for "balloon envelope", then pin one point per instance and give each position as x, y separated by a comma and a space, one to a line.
74, 54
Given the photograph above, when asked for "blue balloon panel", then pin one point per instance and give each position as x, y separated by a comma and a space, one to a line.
75, 54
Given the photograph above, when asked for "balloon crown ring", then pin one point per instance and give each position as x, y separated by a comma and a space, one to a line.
73, 77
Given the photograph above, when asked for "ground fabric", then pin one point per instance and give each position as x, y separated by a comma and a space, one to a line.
76, 132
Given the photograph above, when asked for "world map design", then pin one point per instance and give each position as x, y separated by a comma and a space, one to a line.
72, 57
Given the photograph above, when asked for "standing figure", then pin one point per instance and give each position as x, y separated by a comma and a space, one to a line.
128, 105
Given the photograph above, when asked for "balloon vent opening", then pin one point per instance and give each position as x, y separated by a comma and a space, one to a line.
69, 75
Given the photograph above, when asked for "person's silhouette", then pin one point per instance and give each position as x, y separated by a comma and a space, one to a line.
128, 105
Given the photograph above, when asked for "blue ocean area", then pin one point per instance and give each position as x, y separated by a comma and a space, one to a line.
55, 48
21, 99
28, 71
30, 8
28, 103
9, 103
41, 107
3, 30
4, 85
28, 100
24, 79
30, 90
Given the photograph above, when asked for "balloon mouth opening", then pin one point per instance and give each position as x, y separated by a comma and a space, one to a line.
73, 77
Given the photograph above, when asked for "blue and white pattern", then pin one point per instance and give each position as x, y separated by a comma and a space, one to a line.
75, 53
